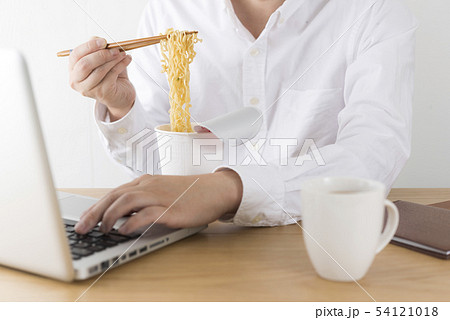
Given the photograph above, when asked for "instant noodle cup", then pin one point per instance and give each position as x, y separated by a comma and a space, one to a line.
205, 149
188, 153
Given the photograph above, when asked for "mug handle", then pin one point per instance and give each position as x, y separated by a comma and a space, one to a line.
391, 225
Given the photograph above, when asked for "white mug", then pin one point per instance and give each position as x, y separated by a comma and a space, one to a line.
342, 225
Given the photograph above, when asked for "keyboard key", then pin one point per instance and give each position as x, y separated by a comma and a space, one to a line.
92, 240
95, 234
115, 238
71, 242
106, 243
77, 236
82, 252
116, 233
75, 257
70, 229
96, 248
81, 244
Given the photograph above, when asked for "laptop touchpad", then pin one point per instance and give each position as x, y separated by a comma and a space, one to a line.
73, 207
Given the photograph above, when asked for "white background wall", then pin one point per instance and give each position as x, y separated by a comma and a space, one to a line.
41, 28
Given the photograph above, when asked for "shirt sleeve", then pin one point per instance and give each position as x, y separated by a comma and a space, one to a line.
117, 135
374, 127
122, 137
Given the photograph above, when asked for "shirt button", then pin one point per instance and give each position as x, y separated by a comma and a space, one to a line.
254, 101
122, 130
281, 20
256, 219
254, 52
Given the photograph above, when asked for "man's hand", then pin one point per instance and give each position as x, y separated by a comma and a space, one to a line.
101, 74
206, 198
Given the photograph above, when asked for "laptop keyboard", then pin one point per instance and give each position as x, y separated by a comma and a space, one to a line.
84, 245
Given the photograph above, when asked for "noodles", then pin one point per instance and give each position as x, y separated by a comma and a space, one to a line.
177, 53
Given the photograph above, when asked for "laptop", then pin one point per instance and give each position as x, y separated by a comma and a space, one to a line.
36, 222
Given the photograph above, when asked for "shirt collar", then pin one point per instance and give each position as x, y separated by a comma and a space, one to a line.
285, 11
288, 8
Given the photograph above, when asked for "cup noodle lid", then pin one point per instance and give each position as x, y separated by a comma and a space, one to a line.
239, 125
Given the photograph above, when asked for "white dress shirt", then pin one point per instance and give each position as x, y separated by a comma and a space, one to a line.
335, 72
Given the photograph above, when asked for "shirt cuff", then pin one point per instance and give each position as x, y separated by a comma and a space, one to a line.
127, 123
262, 197
117, 133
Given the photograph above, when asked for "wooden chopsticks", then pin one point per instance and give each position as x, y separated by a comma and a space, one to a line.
128, 44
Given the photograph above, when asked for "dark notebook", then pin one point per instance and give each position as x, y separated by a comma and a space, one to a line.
424, 228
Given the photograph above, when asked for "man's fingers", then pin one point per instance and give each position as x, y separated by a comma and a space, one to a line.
97, 76
108, 83
87, 64
95, 214
127, 203
113, 74
124, 186
90, 208
85, 49
141, 219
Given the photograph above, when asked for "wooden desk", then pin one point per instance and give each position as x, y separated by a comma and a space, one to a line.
230, 263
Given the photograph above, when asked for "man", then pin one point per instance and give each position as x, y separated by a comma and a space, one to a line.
337, 72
